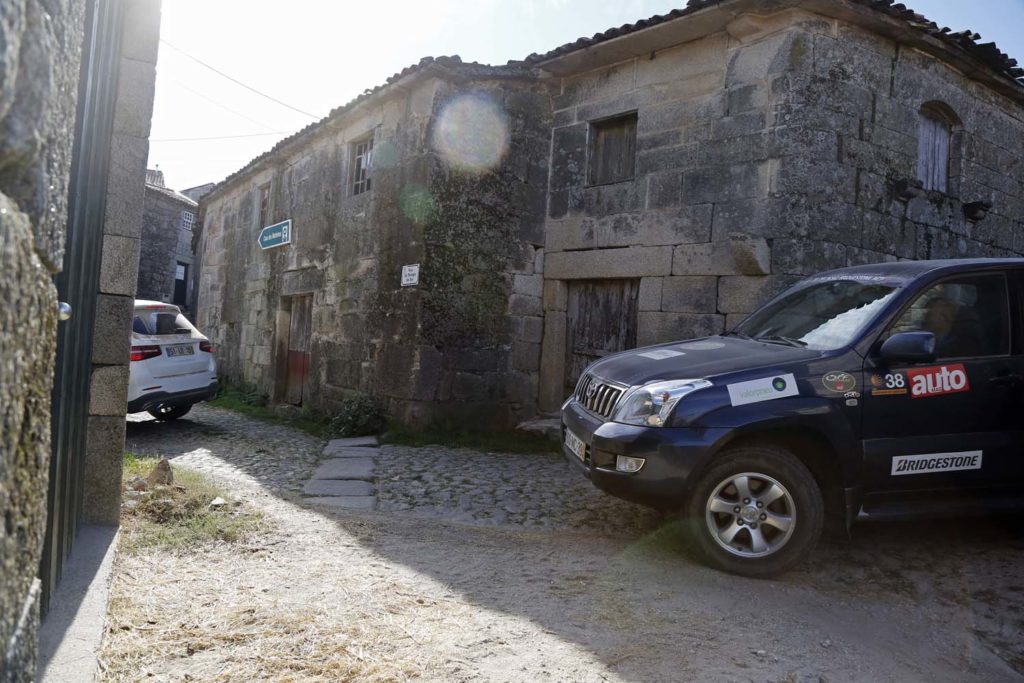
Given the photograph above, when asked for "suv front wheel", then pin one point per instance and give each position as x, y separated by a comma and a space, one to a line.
756, 511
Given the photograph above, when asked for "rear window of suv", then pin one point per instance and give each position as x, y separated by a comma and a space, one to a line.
162, 324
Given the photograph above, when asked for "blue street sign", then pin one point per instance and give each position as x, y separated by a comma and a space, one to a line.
276, 235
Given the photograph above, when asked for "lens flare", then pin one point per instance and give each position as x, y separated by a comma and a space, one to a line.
417, 203
472, 133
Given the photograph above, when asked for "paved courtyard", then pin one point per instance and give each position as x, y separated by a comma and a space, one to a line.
473, 566
537, 490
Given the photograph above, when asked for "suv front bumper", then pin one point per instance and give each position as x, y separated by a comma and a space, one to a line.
671, 456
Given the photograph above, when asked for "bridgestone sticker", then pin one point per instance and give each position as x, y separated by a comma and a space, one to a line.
659, 354
765, 389
936, 462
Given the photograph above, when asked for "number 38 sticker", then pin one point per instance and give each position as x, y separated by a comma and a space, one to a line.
890, 384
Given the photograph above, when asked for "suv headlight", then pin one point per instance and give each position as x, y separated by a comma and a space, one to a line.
651, 404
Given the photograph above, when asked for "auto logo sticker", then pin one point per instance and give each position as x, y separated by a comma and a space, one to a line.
839, 382
764, 389
938, 380
928, 463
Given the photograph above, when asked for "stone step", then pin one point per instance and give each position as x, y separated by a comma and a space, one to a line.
349, 502
345, 468
350, 452
338, 487
548, 427
353, 441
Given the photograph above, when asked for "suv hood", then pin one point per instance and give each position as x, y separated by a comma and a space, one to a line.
696, 359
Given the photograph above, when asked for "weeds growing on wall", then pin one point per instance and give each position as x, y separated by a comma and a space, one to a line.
358, 415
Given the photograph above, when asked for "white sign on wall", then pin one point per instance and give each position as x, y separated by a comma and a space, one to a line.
411, 275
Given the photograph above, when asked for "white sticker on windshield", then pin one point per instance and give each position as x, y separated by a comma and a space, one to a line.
701, 346
659, 354
764, 389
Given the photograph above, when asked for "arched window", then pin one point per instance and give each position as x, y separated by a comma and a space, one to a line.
936, 123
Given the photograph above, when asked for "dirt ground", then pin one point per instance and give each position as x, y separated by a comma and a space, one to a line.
327, 595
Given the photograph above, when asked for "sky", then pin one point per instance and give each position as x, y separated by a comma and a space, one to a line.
315, 55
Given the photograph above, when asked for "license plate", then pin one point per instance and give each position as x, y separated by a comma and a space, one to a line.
179, 350
575, 444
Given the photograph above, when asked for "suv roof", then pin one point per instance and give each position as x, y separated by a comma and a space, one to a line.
913, 269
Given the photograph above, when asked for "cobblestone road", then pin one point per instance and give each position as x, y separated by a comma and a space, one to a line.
532, 490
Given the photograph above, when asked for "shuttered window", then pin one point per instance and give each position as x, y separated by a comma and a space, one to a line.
613, 149
933, 136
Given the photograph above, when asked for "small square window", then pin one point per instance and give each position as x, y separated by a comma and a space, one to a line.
188, 219
362, 163
612, 150
264, 195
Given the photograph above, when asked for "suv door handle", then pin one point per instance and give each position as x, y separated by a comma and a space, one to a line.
1011, 380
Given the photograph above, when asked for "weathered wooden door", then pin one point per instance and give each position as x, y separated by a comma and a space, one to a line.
296, 388
602, 320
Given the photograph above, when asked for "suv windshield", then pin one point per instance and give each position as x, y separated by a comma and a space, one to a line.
823, 316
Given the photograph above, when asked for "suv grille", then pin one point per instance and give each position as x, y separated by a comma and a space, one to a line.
597, 395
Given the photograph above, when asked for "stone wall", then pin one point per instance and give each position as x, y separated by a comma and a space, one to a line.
40, 46
165, 242
466, 338
122, 231
771, 150
40, 53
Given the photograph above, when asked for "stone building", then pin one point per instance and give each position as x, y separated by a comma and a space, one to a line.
657, 182
166, 258
72, 165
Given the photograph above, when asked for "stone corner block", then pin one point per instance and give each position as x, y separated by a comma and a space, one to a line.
104, 458
119, 272
556, 295
735, 256
108, 390
112, 330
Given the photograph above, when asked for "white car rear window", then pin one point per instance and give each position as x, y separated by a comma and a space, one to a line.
162, 324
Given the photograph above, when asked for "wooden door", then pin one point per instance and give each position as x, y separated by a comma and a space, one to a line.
602, 321
296, 388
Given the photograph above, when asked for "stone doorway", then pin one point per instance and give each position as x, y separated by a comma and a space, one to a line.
601, 320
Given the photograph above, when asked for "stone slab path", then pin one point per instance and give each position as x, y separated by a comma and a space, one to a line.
347, 479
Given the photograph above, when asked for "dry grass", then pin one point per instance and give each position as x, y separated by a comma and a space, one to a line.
179, 517
201, 595
228, 613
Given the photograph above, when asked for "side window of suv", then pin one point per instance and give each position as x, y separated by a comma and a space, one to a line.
969, 316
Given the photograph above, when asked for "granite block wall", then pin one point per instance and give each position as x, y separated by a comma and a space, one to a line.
776, 148
40, 47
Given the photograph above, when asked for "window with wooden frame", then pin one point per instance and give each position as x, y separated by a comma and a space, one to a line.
362, 158
188, 219
935, 140
612, 150
264, 198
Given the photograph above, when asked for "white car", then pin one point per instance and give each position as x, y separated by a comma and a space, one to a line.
172, 364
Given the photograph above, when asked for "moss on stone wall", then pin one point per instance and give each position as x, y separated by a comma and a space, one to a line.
472, 237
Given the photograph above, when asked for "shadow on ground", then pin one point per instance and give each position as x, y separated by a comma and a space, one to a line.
898, 601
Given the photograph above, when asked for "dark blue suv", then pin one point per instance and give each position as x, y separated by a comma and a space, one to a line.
884, 391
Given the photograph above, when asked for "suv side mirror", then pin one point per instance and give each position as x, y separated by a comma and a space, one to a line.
909, 347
